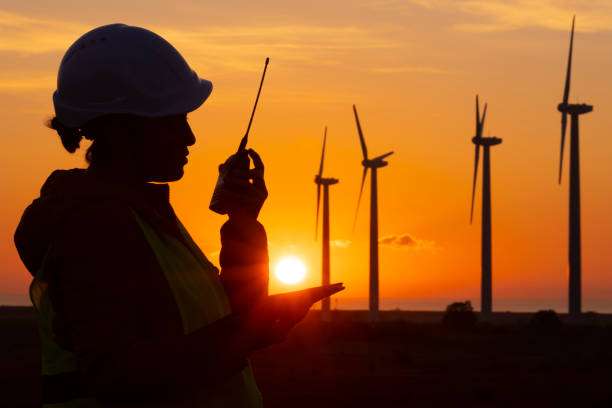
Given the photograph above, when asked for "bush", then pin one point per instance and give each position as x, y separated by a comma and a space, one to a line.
591, 318
459, 316
545, 320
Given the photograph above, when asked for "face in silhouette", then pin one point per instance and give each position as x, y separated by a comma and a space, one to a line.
146, 149
164, 143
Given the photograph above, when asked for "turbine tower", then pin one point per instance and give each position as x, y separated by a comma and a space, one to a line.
486, 142
325, 182
574, 190
372, 164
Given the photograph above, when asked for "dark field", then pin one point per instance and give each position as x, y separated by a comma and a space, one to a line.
408, 360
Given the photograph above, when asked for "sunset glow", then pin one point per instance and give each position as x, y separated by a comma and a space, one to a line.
290, 270
413, 69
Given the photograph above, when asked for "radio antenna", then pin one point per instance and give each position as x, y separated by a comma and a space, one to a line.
245, 138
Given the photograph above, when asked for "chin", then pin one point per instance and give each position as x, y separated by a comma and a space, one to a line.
169, 176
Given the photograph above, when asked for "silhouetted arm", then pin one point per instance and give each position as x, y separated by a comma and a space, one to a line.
114, 309
244, 261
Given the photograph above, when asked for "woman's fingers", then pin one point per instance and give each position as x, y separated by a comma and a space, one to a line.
243, 182
257, 162
258, 170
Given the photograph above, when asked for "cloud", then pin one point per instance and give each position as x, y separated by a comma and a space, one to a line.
223, 46
506, 15
405, 241
230, 47
30, 35
340, 243
407, 69
518, 14
28, 84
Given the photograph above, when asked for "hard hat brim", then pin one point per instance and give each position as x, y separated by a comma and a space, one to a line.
184, 102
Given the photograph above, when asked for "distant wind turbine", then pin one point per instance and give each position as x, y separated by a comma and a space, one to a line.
325, 182
371, 164
486, 263
574, 191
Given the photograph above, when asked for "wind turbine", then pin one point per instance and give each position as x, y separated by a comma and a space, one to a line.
486, 142
325, 182
372, 164
574, 191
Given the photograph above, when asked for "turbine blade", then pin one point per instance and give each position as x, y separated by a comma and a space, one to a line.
365, 170
569, 65
318, 200
477, 116
364, 149
563, 127
382, 156
323, 152
566, 97
476, 157
482, 121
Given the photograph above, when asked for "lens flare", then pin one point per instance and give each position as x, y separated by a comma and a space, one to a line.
290, 270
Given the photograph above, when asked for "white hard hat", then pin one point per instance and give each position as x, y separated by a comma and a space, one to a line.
124, 69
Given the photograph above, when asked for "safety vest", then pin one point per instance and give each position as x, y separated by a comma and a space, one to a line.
201, 300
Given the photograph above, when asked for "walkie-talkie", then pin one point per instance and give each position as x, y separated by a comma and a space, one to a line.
228, 190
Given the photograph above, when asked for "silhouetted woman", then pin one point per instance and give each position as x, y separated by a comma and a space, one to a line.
131, 313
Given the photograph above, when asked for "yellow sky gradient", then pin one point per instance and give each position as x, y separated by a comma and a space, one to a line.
412, 68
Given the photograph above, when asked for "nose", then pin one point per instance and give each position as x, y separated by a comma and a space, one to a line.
189, 136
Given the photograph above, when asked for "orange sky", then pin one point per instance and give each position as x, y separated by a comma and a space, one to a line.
412, 68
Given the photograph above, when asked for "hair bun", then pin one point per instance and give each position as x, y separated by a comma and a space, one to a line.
70, 136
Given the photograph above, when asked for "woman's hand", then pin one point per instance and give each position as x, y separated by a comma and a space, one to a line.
246, 187
271, 319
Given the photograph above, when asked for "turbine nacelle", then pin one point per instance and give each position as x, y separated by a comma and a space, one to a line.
325, 181
486, 141
376, 162
574, 108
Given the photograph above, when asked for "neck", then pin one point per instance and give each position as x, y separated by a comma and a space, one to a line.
120, 170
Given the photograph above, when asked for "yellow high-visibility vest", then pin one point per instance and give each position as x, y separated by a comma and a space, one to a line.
201, 300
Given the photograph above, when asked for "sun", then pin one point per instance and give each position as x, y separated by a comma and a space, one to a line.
290, 270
